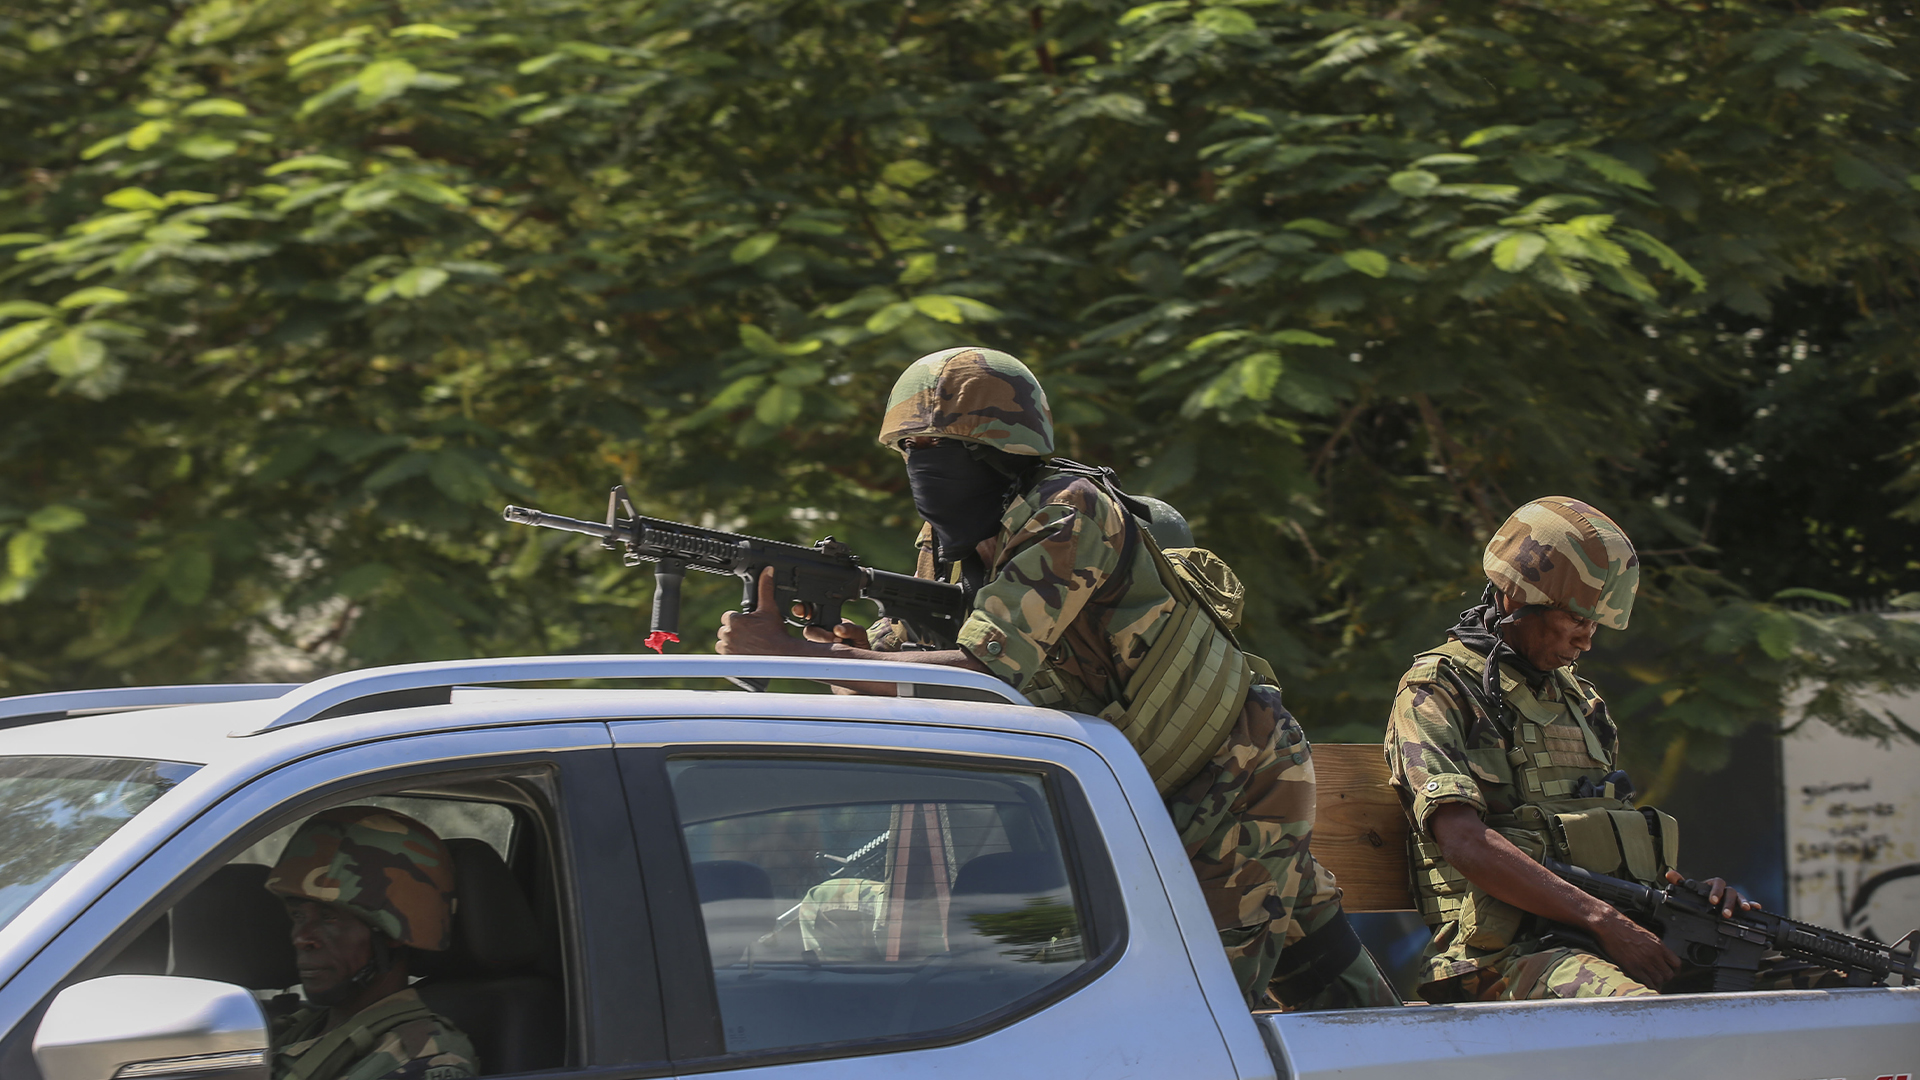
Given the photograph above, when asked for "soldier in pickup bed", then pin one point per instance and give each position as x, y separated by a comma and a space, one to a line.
1502, 756
1075, 606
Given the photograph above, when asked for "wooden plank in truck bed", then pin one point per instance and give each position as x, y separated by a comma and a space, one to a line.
1360, 832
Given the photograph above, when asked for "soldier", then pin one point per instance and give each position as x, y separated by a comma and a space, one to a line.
1069, 603
1497, 776
365, 885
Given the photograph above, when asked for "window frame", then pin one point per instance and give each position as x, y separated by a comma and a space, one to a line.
695, 1039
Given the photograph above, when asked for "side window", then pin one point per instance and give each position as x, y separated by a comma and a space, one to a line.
852, 900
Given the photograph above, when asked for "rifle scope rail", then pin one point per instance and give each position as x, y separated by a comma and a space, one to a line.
706, 550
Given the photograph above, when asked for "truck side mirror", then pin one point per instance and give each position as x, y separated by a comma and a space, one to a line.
129, 1026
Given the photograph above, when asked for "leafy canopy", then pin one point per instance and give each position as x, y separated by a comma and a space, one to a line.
298, 292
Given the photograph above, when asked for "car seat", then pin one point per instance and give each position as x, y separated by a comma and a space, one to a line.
736, 904
232, 930
999, 884
489, 983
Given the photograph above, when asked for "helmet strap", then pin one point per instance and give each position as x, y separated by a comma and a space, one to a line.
1490, 677
376, 968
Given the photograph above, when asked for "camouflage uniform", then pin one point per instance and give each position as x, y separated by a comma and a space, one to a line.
420, 1046
1442, 749
1060, 577
1535, 760
392, 873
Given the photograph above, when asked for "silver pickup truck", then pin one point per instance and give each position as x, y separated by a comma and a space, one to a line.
663, 882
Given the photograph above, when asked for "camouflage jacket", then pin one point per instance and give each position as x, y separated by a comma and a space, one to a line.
423, 1046
1058, 589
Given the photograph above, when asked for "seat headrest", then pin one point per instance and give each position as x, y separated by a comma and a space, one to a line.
494, 929
1023, 872
736, 904
730, 879
999, 884
231, 929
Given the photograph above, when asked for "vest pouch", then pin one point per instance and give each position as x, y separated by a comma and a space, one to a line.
1668, 830
1486, 923
1531, 842
1636, 846
1607, 839
1589, 841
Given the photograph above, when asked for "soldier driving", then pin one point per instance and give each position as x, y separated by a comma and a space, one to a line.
363, 886
1076, 605
1503, 757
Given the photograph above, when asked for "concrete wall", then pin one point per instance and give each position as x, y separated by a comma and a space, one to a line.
1853, 828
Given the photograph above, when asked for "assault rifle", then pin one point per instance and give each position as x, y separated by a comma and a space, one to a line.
810, 582
1732, 947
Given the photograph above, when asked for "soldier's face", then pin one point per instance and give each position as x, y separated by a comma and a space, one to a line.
329, 946
1550, 638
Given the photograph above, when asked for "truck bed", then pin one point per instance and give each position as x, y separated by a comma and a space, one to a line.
1784, 1035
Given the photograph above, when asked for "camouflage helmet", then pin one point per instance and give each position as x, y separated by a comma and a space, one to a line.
388, 870
1561, 553
978, 395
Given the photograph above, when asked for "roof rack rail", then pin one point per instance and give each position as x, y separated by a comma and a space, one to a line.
33, 708
409, 685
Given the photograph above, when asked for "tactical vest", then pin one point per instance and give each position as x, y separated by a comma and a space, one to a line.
1189, 689
331, 1054
1545, 753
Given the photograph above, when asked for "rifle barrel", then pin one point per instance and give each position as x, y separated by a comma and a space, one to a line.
521, 515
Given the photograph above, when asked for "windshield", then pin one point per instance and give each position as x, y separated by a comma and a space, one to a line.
54, 810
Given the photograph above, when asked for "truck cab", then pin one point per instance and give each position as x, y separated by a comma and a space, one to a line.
655, 880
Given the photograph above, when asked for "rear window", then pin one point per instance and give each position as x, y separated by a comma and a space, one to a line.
853, 900
54, 810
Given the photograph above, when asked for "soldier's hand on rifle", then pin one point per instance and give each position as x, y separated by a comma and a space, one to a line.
1636, 950
848, 633
762, 631
1718, 893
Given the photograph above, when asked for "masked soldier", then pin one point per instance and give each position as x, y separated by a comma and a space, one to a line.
364, 886
1502, 757
1075, 605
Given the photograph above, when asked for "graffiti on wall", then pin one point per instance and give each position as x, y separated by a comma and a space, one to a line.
1853, 831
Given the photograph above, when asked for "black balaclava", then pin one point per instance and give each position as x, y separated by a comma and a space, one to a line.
1479, 630
959, 494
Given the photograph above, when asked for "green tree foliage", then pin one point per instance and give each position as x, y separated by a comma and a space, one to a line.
296, 293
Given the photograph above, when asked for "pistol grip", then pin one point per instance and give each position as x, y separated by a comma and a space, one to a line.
823, 614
